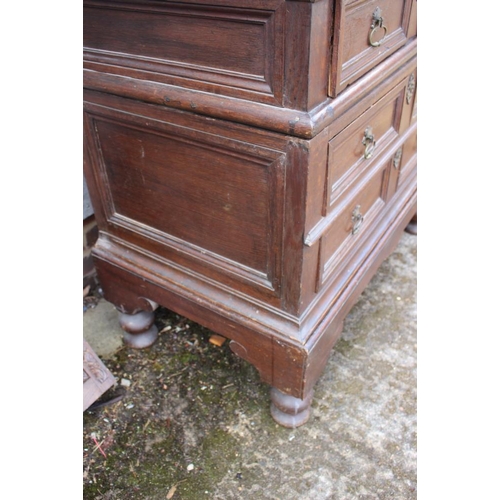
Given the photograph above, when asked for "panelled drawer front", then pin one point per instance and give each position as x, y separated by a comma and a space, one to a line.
352, 152
353, 219
370, 30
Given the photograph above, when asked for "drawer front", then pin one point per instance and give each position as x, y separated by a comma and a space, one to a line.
354, 218
370, 30
354, 150
220, 49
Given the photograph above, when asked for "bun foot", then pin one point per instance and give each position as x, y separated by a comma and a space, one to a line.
139, 330
289, 411
412, 226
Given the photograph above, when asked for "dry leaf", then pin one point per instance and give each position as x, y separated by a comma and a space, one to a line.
171, 492
217, 340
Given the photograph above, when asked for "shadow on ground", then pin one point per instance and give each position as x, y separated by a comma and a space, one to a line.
194, 419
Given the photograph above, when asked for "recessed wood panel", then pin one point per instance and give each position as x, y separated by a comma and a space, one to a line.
192, 194
199, 195
188, 45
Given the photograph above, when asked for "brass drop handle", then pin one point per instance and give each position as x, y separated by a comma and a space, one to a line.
357, 219
377, 23
368, 142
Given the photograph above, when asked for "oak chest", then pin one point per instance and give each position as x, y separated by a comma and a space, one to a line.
251, 163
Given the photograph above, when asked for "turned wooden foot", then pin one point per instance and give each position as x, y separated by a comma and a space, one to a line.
139, 330
412, 226
290, 411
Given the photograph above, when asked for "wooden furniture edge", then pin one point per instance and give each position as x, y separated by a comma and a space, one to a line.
299, 124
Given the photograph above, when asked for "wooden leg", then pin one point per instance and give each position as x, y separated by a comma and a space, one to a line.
290, 411
412, 226
139, 329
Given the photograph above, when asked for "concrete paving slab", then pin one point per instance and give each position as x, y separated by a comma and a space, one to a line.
102, 330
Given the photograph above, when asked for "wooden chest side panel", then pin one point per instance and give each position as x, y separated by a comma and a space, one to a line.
195, 46
213, 199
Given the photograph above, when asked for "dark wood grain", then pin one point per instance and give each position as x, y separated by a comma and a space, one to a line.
234, 51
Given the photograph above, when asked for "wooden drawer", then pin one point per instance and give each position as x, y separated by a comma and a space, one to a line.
367, 32
352, 152
352, 219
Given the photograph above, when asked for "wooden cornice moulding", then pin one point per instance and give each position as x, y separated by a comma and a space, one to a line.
281, 120
305, 125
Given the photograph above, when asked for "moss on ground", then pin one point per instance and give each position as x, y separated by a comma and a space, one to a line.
183, 391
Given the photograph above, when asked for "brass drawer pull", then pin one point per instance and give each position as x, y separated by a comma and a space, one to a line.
357, 219
369, 143
377, 23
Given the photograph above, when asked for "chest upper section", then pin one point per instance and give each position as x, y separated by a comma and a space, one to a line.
287, 54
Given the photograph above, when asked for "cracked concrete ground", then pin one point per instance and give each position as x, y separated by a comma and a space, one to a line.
194, 422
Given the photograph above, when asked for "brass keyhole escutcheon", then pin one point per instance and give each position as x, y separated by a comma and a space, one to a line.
357, 219
397, 158
410, 88
377, 24
369, 143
